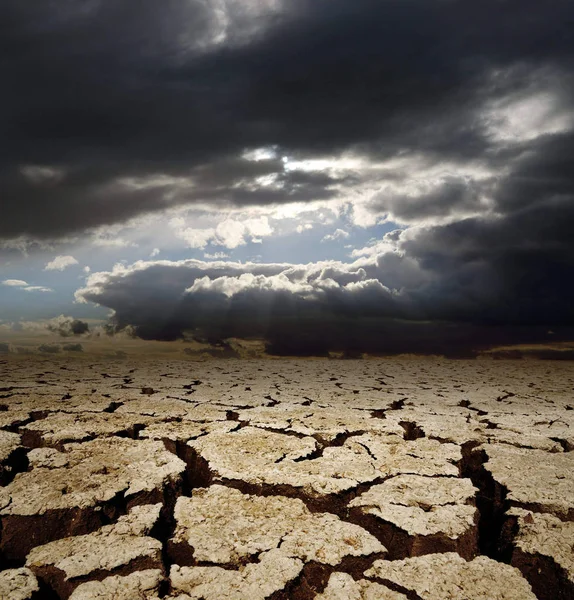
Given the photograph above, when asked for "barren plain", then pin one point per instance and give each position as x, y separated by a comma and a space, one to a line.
398, 479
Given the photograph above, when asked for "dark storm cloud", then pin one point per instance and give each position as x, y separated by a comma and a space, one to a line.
492, 279
67, 326
388, 303
97, 91
514, 266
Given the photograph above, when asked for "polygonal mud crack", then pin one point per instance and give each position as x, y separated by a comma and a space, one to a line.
19, 584
535, 479
183, 431
12, 457
97, 482
257, 456
122, 547
420, 515
324, 423
255, 581
342, 586
60, 428
422, 456
220, 525
170, 408
141, 585
543, 550
441, 576
327, 433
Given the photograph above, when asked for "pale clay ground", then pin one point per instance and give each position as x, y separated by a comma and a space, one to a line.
396, 479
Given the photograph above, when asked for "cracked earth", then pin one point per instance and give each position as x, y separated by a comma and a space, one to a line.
399, 479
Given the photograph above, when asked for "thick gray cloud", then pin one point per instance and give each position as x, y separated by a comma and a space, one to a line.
388, 302
451, 196
96, 92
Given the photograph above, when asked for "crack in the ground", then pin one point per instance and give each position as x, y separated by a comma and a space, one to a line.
567, 446
17, 462
496, 529
32, 439
505, 396
21, 533
311, 581
314, 577
490, 501
202, 476
397, 404
323, 443
379, 413
395, 587
55, 579
272, 401
399, 543
412, 431
548, 579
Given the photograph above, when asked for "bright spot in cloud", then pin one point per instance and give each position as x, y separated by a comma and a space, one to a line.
321, 164
525, 119
258, 154
271, 180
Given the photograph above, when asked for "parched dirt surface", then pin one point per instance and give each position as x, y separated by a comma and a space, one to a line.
398, 479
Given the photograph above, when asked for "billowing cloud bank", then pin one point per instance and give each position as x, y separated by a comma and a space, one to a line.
408, 293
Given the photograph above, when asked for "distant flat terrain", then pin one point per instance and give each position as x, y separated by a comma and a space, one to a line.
398, 479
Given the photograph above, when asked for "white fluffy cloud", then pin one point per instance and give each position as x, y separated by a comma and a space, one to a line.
23, 285
37, 288
229, 232
15, 283
60, 263
338, 234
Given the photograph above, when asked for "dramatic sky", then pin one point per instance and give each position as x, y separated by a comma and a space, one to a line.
362, 175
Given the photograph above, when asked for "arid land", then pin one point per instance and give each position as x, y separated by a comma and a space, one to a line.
395, 479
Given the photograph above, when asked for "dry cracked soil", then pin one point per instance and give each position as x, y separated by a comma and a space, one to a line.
398, 479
